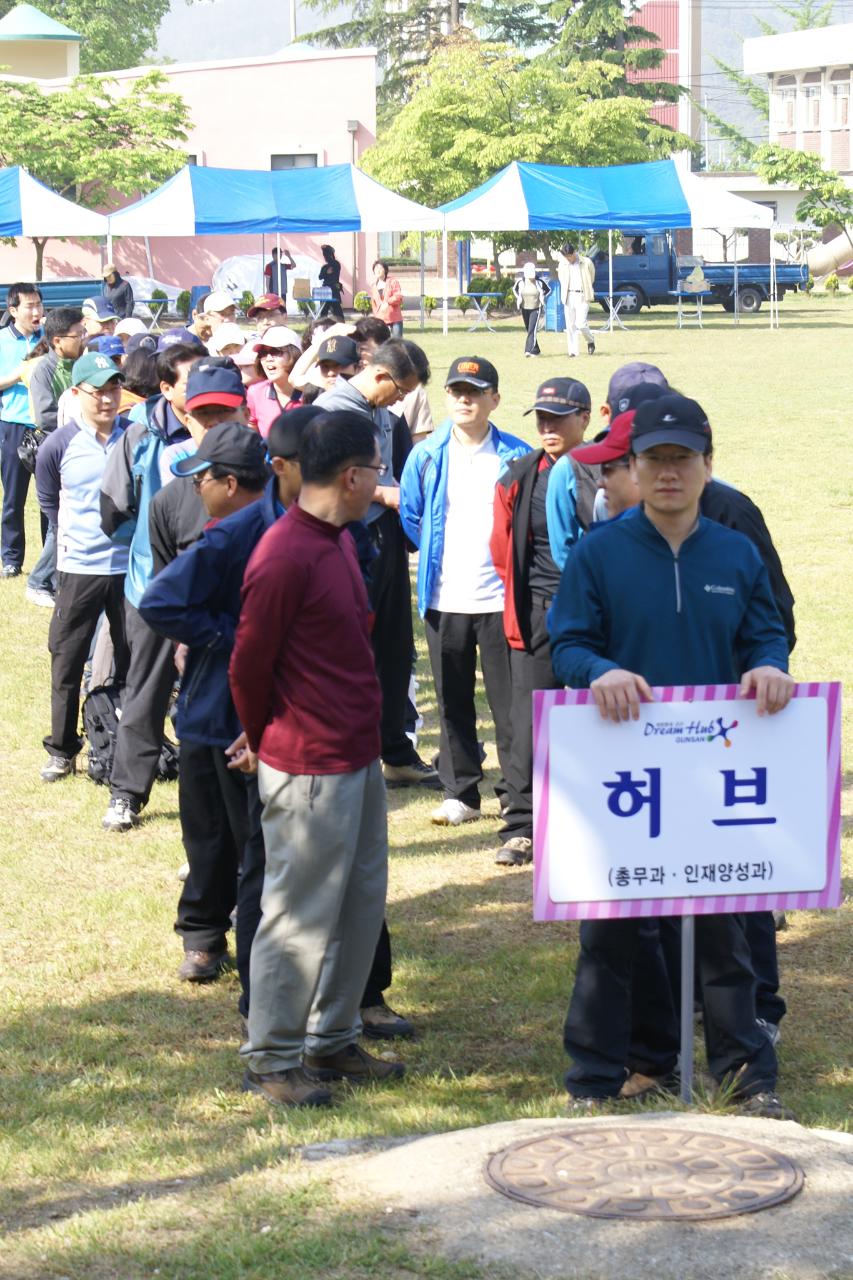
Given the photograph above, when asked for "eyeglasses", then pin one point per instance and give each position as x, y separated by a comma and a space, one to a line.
458, 389
621, 464
381, 468
106, 392
277, 352
200, 481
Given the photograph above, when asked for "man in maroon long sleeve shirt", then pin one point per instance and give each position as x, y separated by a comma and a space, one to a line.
305, 689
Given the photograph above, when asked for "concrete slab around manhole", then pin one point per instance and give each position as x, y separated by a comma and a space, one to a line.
441, 1182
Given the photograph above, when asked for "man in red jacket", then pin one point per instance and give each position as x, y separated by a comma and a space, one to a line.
521, 553
305, 690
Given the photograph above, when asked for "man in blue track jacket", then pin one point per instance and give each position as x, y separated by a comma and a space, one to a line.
664, 596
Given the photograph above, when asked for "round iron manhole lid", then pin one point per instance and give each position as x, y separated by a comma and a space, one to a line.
649, 1174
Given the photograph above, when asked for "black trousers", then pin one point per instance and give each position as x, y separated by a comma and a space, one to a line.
249, 889
150, 678
530, 316
454, 640
331, 308
529, 670
612, 1015
16, 483
761, 938
81, 598
391, 597
214, 808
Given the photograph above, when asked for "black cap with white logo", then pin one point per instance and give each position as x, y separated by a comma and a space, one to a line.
671, 419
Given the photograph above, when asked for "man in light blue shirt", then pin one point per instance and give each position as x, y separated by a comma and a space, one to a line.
16, 342
90, 566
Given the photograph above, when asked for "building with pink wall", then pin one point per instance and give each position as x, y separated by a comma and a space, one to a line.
297, 107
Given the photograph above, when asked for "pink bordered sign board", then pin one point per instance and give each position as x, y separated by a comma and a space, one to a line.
699, 806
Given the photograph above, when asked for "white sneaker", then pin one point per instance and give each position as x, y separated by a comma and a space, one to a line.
38, 595
452, 813
121, 815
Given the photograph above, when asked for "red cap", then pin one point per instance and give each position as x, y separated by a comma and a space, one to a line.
616, 444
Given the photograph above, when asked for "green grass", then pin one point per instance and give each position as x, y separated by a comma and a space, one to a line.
126, 1149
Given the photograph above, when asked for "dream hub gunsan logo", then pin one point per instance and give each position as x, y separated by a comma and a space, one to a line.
687, 732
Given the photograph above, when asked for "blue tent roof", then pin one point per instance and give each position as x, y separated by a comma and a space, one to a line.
543, 197
199, 201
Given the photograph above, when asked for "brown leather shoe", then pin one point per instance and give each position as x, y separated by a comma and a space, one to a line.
202, 966
290, 1088
352, 1064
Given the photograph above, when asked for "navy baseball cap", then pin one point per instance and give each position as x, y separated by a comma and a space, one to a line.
286, 430
627, 377
99, 309
214, 382
561, 395
671, 419
480, 373
141, 342
172, 337
110, 346
228, 445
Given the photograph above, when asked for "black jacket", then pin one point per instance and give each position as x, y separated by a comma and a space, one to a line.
120, 295
729, 507
176, 519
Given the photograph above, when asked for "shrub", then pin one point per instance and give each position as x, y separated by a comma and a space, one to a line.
832, 284
361, 302
247, 299
157, 296
462, 303
430, 304
304, 309
182, 304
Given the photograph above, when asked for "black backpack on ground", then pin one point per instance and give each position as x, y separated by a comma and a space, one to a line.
101, 714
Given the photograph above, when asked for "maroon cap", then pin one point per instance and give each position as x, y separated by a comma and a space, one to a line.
616, 444
266, 302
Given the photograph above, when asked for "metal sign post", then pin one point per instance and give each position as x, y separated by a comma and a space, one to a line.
688, 936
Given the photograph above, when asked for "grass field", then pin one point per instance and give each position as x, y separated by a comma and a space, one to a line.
127, 1150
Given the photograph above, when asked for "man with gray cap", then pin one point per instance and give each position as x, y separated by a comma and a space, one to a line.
118, 291
633, 611
521, 552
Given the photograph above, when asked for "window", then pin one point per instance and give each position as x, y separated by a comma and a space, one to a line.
784, 104
840, 104
302, 160
811, 106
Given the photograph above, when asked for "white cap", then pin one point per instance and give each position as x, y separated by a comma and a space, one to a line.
130, 326
218, 301
225, 336
247, 356
278, 335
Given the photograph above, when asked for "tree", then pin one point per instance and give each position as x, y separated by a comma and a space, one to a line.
601, 31
479, 106
407, 33
90, 143
111, 40
827, 200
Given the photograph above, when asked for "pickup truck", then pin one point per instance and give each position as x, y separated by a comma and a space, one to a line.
650, 273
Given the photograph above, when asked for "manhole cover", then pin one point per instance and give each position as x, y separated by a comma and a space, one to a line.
644, 1173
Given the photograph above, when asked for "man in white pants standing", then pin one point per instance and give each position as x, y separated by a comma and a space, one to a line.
577, 291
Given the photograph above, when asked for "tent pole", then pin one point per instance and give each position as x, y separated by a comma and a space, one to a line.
610, 278
148, 256
444, 324
109, 246
422, 281
737, 291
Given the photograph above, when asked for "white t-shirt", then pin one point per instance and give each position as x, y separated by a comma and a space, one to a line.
467, 581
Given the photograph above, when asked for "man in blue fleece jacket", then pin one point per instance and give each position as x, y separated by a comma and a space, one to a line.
665, 596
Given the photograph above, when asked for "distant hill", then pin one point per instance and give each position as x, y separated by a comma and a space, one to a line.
211, 29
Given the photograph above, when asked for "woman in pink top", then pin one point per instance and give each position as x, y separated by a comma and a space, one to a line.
277, 353
386, 298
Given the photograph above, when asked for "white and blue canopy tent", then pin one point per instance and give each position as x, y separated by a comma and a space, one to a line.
28, 208
660, 195
200, 201
205, 202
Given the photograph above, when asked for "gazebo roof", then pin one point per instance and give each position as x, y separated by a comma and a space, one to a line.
26, 22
